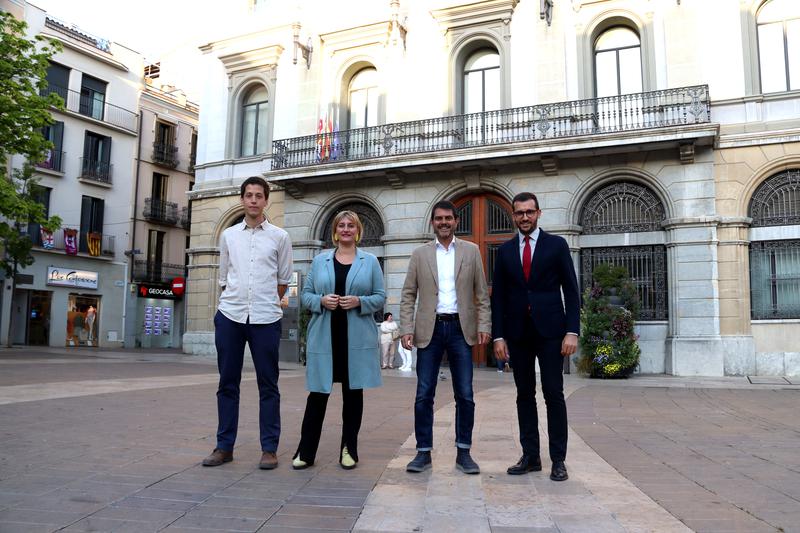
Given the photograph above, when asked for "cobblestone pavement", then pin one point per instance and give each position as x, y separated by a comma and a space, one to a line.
112, 440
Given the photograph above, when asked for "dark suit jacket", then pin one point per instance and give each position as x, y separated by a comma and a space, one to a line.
552, 272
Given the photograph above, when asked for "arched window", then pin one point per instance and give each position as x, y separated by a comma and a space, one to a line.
626, 207
255, 122
778, 23
481, 78
363, 99
775, 264
617, 62
370, 219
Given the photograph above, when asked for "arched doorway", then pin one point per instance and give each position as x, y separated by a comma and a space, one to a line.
484, 219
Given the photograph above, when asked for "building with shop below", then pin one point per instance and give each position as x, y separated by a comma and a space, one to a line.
75, 291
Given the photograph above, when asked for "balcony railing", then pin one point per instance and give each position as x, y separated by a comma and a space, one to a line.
625, 113
94, 170
165, 154
156, 272
59, 241
158, 210
95, 108
192, 162
52, 161
186, 218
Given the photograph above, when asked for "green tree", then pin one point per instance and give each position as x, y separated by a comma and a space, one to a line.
24, 112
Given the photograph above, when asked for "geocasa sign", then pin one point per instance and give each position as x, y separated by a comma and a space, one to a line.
68, 277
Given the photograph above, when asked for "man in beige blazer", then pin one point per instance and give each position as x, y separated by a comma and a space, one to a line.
445, 279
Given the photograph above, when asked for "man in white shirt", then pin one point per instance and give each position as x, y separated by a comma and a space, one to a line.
446, 280
255, 265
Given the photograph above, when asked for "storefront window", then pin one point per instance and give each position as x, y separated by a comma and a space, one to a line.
83, 323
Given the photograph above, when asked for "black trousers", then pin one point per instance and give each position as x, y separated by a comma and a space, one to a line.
311, 430
524, 352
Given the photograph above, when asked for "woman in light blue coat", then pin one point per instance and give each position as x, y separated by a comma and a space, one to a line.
343, 289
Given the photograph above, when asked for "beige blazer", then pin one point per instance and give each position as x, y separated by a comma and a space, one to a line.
422, 285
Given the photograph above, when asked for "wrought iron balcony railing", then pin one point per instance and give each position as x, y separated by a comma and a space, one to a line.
52, 160
156, 272
625, 113
165, 154
158, 210
95, 108
192, 162
80, 242
94, 170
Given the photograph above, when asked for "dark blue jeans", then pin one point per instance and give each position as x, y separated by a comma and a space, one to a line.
264, 340
446, 336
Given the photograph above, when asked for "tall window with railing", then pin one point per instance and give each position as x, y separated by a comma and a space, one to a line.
627, 207
775, 259
481, 81
255, 122
93, 97
617, 62
778, 23
96, 160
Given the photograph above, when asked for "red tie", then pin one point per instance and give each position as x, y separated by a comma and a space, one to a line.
526, 258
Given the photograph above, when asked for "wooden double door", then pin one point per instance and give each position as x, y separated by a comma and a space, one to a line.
484, 219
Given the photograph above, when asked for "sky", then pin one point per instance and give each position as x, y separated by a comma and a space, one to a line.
150, 27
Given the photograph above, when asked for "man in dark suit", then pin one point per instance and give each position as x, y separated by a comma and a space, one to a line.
530, 320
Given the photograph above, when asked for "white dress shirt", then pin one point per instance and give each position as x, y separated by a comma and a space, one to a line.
252, 263
446, 270
534, 237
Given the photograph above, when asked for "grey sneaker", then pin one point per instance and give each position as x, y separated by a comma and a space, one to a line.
420, 463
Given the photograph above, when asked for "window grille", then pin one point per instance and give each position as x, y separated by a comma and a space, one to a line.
499, 218
464, 214
776, 202
775, 279
622, 207
647, 267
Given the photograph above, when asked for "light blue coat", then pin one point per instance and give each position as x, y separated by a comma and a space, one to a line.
365, 280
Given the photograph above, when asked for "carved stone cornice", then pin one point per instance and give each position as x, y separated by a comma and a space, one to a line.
378, 33
258, 58
477, 13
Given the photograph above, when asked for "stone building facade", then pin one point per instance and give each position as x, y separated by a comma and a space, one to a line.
650, 141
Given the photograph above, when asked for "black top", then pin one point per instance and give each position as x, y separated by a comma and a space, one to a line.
339, 326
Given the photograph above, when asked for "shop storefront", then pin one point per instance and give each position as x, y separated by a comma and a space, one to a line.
159, 315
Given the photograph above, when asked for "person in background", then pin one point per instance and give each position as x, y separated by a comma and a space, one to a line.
343, 289
389, 334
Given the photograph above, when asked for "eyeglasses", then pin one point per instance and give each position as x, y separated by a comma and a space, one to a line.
527, 213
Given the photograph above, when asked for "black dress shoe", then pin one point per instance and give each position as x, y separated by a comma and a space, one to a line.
559, 471
420, 463
526, 463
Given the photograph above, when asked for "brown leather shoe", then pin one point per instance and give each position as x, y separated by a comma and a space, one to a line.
268, 461
218, 457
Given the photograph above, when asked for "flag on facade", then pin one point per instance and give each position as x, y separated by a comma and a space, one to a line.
93, 240
71, 241
48, 242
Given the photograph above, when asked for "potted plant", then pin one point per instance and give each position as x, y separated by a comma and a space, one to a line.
608, 342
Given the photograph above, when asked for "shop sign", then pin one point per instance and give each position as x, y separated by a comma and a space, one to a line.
156, 291
67, 277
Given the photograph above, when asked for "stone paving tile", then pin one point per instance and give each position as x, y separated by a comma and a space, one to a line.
398, 519
39, 516
93, 523
18, 527
262, 513
155, 516
312, 522
573, 523
135, 502
219, 523
320, 510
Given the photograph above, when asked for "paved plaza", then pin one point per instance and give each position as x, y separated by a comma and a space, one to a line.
112, 441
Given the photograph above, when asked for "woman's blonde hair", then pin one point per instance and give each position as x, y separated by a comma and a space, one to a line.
352, 216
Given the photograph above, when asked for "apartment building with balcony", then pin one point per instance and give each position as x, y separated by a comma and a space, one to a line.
651, 142
74, 293
163, 175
